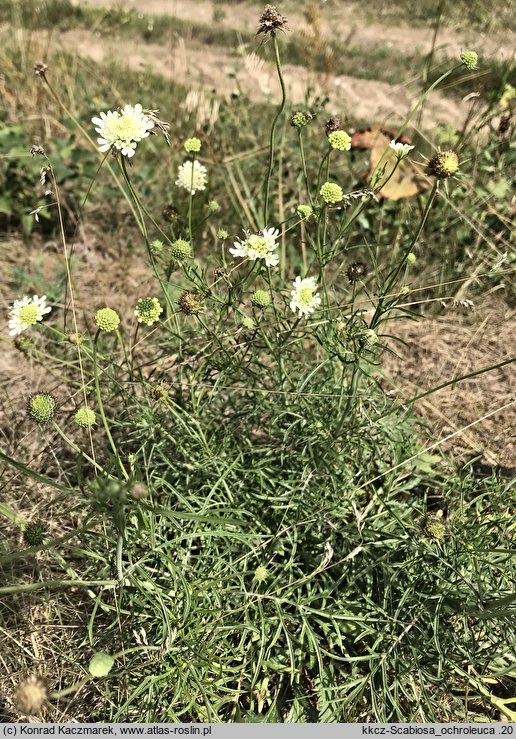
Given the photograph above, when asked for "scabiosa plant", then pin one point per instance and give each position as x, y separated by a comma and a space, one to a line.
191, 303
180, 250
107, 319
469, 59
298, 119
156, 246
85, 417
261, 299
192, 176
304, 298
26, 312
339, 140
41, 408
369, 337
444, 164
148, 310
121, 130
400, 149
192, 145
35, 534
222, 234
259, 246
331, 193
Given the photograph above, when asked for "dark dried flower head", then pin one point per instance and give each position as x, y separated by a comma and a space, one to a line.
31, 695
40, 69
504, 125
37, 149
160, 392
331, 125
170, 214
191, 303
35, 534
356, 271
271, 20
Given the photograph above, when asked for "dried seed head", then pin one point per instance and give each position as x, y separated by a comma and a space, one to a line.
356, 271
331, 125
443, 164
139, 491
170, 214
191, 303
31, 695
160, 392
434, 527
75, 338
271, 21
40, 69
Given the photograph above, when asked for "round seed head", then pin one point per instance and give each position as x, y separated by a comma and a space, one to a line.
222, 234
356, 271
261, 574
411, 258
180, 250
35, 534
469, 59
160, 392
191, 303
298, 120
107, 319
139, 491
41, 408
192, 145
248, 323
213, 206
370, 337
339, 140
443, 164
434, 527
331, 192
261, 299
31, 695
85, 417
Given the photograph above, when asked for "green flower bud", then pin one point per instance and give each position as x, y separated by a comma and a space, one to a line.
304, 211
261, 574
222, 234
148, 310
192, 145
370, 337
331, 192
339, 140
35, 534
213, 206
298, 120
261, 299
156, 246
411, 258
42, 408
84, 417
248, 323
469, 59
75, 338
107, 319
180, 250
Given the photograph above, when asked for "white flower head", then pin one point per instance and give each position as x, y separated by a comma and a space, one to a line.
123, 129
26, 312
401, 150
192, 176
259, 246
304, 296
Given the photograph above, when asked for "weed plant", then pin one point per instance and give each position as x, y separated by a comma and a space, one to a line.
251, 527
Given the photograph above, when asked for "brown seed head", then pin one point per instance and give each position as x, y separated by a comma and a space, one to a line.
191, 303
331, 125
40, 69
271, 20
356, 271
443, 164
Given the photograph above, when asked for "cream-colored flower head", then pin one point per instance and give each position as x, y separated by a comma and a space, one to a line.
304, 298
192, 176
122, 129
401, 150
26, 312
259, 246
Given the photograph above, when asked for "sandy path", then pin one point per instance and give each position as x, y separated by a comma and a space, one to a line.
344, 23
369, 100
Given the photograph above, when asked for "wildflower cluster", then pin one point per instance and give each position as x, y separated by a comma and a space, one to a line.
259, 246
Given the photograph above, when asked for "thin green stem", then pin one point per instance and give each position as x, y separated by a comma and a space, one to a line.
273, 133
